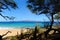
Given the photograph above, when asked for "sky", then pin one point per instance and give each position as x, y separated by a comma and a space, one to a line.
22, 13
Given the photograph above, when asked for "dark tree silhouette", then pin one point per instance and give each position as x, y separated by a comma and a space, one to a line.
4, 4
47, 7
35, 33
1, 36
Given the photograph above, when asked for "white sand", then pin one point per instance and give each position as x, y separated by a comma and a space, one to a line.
13, 31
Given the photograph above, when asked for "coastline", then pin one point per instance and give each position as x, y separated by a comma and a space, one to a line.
14, 31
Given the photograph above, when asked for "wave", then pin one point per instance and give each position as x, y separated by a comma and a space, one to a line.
6, 28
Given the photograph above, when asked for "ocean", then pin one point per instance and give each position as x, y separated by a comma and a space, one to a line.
21, 24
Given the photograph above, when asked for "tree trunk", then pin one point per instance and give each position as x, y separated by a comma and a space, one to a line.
52, 20
34, 34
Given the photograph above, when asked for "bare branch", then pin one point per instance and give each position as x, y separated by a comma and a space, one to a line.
48, 17
7, 17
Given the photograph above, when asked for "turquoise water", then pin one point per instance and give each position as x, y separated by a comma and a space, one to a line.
20, 24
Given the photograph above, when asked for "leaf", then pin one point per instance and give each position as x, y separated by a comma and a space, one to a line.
29, 6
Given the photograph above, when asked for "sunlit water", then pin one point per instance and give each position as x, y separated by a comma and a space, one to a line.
21, 24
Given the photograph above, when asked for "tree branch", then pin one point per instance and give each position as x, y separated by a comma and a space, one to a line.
7, 17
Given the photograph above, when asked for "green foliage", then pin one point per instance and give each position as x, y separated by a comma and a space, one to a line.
57, 16
13, 38
35, 35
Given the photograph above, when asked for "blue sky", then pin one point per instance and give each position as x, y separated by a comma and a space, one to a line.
22, 13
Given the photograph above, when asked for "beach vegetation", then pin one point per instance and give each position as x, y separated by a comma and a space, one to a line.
51, 8
47, 7
13, 38
36, 34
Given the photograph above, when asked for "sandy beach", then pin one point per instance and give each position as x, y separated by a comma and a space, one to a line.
13, 31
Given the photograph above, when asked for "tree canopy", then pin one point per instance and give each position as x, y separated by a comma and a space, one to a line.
44, 6
57, 16
47, 7
4, 4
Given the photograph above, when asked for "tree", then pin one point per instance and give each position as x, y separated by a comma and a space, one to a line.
1, 36
47, 7
4, 4
57, 18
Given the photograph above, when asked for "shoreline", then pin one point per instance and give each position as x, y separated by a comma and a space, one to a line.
15, 27
14, 31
